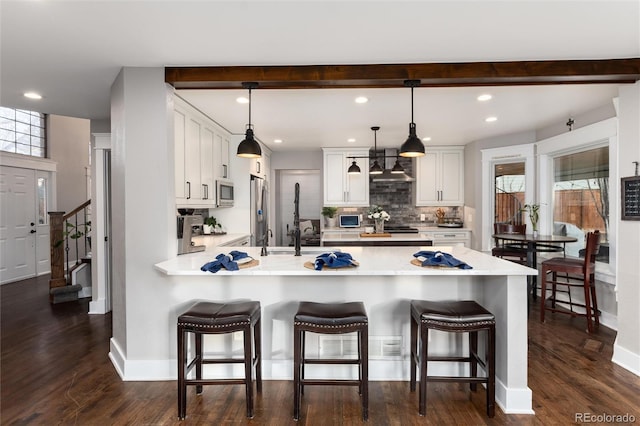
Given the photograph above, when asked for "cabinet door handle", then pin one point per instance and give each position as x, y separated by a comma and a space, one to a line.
188, 190
224, 171
205, 191
244, 243
257, 167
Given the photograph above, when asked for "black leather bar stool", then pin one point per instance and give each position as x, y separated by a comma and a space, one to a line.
456, 317
330, 318
218, 318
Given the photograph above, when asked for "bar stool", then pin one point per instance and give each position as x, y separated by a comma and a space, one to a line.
219, 318
330, 318
457, 317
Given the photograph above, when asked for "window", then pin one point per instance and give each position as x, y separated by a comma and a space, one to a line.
42, 201
23, 132
581, 197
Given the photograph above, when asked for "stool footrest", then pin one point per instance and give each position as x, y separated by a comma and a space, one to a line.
331, 361
305, 382
215, 382
457, 379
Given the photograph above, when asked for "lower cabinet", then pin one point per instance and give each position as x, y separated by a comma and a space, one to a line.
240, 242
449, 238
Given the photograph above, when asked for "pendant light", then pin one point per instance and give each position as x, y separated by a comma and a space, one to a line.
397, 168
413, 146
376, 169
354, 169
249, 147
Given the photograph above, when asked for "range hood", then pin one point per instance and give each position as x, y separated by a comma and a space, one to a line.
387, 176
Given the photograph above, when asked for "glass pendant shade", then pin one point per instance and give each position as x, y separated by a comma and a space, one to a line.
249, 147
353, 169
376, 169
413, 146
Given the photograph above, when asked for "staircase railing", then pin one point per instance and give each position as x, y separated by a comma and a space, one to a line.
68, 231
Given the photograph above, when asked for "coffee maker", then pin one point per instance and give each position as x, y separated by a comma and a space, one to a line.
186, 223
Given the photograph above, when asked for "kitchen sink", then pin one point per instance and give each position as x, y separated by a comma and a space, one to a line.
304, 251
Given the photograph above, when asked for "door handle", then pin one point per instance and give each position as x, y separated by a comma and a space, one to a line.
189, 190
33, 231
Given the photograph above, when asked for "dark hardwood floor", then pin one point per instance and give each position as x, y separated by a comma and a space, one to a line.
55, 370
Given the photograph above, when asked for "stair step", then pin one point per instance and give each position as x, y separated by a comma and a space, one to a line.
66, 293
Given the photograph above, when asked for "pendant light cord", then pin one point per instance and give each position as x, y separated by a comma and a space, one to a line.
249, 126
411, 103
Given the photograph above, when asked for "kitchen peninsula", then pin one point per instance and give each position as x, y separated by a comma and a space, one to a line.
386, 281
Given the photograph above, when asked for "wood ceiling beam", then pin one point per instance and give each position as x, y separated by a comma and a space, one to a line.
617, 71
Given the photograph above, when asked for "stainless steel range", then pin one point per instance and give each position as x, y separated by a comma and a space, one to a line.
400, 229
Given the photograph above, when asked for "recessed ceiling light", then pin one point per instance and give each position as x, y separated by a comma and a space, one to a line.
242, 100
351, 140
32, 95
491, 119
277, 141
427, 138
361, 100
484, 97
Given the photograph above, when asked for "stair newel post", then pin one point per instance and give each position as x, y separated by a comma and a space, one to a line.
56, 222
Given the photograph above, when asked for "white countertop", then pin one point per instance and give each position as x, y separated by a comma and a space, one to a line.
214, 240
393, 260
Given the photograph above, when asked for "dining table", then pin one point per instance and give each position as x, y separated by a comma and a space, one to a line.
534, 244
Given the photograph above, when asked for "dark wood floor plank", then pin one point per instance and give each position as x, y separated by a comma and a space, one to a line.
55, 370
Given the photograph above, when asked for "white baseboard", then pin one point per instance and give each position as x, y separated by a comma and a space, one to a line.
626, 359
511, 401
98, 307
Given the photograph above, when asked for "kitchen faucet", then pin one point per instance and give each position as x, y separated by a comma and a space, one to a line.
296, 220
265, 240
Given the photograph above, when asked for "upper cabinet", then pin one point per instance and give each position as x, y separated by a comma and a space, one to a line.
221, 154
340, 188
260, 166
440, 177
201, 156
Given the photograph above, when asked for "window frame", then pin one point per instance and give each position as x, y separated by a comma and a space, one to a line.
31, 135
593, 136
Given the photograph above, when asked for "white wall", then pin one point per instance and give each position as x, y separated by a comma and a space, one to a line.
627, 345
69, 144
143, 225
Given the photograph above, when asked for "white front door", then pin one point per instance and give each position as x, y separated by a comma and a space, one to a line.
17, 224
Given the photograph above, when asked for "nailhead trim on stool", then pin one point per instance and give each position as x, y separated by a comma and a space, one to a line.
218, 318
457, 317
330, 318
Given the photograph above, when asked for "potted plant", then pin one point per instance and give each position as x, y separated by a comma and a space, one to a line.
329, 214
210, 225
534, 214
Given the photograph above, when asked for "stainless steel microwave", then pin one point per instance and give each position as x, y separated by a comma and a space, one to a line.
224, 193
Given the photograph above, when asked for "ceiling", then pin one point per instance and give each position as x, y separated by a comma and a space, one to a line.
71, 52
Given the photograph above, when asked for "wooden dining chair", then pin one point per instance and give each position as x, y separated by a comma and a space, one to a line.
515, 251
573, 272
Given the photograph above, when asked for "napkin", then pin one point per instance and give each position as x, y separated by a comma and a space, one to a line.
333, 260
223, 260
438, 258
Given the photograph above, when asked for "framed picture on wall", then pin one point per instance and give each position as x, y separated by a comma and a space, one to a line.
630, 188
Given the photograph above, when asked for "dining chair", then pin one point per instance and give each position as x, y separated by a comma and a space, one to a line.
514, 251
572, 272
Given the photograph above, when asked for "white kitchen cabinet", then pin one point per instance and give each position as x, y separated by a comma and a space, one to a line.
201, 156
340, 188
207, 178
440, 177
221, 149
451, 237
260, 166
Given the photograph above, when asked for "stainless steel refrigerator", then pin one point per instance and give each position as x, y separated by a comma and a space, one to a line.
259, 210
